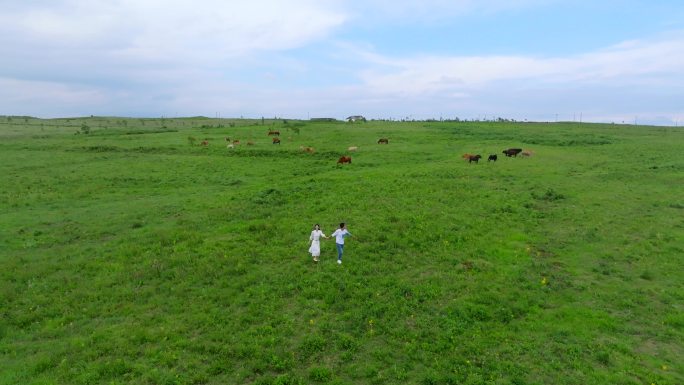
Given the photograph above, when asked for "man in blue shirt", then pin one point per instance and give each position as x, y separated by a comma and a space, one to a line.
339, 235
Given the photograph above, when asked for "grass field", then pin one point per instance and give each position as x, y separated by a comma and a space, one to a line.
129, 255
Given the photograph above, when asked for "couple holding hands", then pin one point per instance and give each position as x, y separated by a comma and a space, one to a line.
316, 236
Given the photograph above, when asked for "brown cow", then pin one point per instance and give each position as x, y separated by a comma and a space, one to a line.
466, 156
276, 141
205, 143
383, 140
344, 159
236, 141
474, 158
527, 153
310, 150
276, 133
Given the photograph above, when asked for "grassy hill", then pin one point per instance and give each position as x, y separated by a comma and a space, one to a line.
130, 254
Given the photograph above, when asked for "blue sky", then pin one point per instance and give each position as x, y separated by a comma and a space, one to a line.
610, 61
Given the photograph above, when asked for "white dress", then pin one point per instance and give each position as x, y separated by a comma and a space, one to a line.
315, 239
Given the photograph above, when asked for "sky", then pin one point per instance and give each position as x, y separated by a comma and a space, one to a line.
537, 60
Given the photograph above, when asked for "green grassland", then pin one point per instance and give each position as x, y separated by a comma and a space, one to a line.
129, 255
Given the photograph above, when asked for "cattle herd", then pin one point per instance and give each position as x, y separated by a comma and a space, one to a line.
510, 152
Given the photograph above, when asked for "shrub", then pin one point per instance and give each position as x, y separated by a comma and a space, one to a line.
550, 195
320, 374
312, 345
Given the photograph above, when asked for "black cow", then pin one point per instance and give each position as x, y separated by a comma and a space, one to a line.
492, 157
512, 152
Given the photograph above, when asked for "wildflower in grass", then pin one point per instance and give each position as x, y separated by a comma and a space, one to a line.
664, 367
311, 322
544, 281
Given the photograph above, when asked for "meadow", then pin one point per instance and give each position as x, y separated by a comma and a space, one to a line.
131, 254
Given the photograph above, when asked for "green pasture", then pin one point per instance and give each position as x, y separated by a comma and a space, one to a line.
132, 254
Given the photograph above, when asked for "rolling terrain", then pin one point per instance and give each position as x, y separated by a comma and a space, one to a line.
132, 254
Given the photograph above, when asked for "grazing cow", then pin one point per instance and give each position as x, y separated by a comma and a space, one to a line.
512, 152
492, 157
474, 158
310, 150
466, 156
276, 133
250, 143
227, 139
527, 153
383, 140
236, 141
344, 159
276, 141
230, 145
205, 143
352, 148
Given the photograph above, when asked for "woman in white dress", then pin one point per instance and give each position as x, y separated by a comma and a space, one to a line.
315, 239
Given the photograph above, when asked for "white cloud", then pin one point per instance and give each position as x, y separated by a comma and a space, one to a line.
642, 62
21, 97
430, 10
158, 29
151, 50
